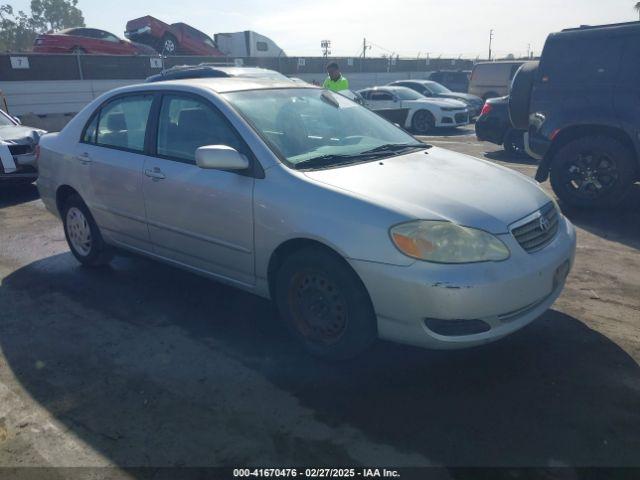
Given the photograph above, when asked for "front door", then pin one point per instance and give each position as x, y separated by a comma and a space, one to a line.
197, 217
111, 160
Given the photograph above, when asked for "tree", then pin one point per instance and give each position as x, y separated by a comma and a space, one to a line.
637, 8
18, 30
56, 14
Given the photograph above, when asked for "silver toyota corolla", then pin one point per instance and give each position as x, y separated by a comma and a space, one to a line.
354, 228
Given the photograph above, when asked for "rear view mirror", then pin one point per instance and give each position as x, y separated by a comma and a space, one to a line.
220, 157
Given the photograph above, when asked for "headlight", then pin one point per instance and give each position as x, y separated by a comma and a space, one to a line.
446, 242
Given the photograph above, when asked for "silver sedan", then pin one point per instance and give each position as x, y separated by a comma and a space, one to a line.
355, 229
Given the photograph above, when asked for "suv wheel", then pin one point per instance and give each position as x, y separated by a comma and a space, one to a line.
592, 172
83, 234
325, 304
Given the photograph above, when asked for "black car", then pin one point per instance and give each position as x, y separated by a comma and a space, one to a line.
429, 88
493, 125
580, 106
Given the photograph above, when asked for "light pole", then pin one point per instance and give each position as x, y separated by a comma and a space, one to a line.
490, 40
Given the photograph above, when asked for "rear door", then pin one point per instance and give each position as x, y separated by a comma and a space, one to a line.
627, 89
196, 217
111, 158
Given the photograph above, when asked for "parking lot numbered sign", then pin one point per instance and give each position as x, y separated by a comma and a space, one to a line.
8, 165
20, 63
155, 62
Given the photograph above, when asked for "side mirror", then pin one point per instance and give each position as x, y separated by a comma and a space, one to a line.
18, 121
220, 157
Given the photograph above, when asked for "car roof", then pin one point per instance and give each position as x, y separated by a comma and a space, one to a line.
223, 84
212, 70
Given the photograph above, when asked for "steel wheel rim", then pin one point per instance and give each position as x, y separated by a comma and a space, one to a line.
79, 231
318, 307
591, 175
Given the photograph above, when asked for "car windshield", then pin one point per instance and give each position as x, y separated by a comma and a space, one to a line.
404, 93
5, 121
315, 128
435, 87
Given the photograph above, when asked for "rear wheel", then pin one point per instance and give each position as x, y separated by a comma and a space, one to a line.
592, 172
514, 142
423, 122
325, 304
83, 234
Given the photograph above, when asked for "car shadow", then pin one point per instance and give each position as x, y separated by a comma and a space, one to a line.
619, 224
11, 195
154, 366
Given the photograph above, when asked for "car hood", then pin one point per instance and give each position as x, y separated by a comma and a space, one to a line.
438, 184
461, 96
20, 134
438, 102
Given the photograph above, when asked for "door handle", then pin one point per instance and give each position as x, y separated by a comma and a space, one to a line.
85, 158
156, 174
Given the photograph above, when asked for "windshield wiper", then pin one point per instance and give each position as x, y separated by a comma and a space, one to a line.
398, 147
326, 161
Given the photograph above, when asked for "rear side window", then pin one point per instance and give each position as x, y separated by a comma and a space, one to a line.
379, 96
581, 61
187, 123
629, 73
121, 123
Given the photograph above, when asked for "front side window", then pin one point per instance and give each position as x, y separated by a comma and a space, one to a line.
187, 123
313, 128
435, 87
123, 123
405, 93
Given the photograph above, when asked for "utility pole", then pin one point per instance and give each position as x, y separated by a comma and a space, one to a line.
490, 40
365, 47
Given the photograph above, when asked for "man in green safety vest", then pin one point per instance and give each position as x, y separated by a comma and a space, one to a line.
335, 81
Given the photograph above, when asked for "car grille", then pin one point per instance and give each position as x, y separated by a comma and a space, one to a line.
537, 233
461, 117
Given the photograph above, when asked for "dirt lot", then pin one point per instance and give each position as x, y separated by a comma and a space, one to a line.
145, 365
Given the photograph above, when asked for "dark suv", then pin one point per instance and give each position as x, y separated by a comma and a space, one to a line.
580, 106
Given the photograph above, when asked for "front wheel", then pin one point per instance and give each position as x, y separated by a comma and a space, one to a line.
83, 234
592, 172
169, 45
325, 304
423, 122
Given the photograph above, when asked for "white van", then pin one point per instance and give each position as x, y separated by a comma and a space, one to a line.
492, 79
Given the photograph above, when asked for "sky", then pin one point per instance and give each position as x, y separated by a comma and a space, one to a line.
409, 28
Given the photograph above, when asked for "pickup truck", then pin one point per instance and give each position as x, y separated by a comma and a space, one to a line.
174, 39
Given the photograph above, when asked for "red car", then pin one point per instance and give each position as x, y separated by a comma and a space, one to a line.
177, 38
87, 40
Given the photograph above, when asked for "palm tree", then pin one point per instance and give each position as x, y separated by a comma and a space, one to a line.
637, 8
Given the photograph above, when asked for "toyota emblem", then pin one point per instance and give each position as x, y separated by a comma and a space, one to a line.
544, 224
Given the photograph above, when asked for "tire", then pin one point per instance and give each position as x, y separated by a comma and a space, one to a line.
83, 235
325, 304
423, 122
78, 51
169, 45
514, 142
592, 172
520, 95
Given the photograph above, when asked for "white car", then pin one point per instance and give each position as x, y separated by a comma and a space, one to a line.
414, 111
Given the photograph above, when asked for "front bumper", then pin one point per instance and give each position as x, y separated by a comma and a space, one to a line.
454, 118
18, 167
506, 295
